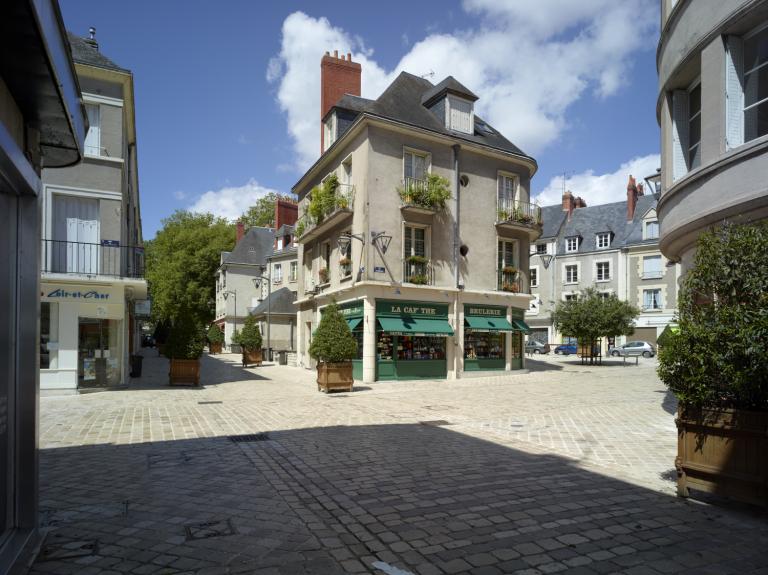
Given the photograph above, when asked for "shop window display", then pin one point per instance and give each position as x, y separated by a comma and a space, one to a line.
479, 345
420, 347
49, 335
98, 352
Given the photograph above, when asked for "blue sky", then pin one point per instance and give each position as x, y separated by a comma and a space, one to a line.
227, 93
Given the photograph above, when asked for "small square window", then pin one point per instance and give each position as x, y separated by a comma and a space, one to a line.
541, 249
651, 230
571, 244
603, 240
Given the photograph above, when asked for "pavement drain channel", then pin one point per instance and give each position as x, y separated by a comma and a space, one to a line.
65, 548
209, 529
249, 438
163, 460
436, 423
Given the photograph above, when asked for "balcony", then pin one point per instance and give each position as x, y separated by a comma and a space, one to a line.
328, 207
511, 280
418, 271
89, 259
424, 197
652, 275
520, 217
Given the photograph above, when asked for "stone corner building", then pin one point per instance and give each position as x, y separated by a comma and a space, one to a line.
713, 112
428, 293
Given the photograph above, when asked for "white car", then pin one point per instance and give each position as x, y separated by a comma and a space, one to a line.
634, 348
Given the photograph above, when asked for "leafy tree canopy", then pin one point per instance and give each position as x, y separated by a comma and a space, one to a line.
181, 262
718, 356
593, 316
250, 337
333, 341
262, 213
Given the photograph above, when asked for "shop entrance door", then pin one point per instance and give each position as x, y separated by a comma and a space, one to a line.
98, 353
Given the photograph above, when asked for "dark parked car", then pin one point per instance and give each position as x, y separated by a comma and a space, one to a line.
147, 341
566, 349
533, 346
634, 348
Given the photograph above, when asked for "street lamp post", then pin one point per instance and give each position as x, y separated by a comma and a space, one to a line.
226, 296
256, 283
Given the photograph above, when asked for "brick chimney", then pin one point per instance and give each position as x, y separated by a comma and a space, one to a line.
579, 202
633, 191
569, 203
338, 76
240, 231
286, 213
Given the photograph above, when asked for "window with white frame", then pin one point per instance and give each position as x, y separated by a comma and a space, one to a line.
602, 271
277, 273
330, 131
414, 242
686, 130
651, 230
572, 273
293, 271
652, 267
604, 294
570, 296
652, 299
93, 137
507, 187
415, 165
694, 127
505, 255
541, 249
534, 271
603, 240
571, 244
746, 78
460, 115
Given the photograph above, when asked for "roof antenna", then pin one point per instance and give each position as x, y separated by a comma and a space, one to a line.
430, 74
566, 175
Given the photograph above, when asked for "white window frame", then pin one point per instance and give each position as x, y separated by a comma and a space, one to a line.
421, 153
645, 229
566, 281
449, 106
534, 270
542, 253
330, 126
515, 251
603, 236
293, 271
570, 295
597, 271
277, 272
346, 175
697, 116
427, 239
646, 275
659, 302
568, 248
605, 293
92, 144
745, 106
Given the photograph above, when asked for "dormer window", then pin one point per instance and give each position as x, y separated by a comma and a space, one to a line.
603, 240
571, 245
329, 130
459, 115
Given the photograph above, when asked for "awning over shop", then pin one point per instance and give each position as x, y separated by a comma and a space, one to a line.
415, 326
354, 322
489, 324
520, 325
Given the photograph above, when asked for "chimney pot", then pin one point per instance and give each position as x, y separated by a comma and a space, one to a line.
569, 203
349, 56
240, 230
335, 53
632, 193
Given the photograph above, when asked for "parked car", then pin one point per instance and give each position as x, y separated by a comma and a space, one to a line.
147, 341
533, 346
633, 348
566, 349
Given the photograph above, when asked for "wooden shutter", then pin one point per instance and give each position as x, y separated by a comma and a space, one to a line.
679, 133
734, 92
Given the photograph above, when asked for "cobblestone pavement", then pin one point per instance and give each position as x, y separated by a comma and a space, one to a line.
564, 469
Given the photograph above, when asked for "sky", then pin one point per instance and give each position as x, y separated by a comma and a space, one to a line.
228, 92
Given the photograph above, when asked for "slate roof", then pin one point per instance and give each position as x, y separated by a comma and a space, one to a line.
84, 52
402, 102
590, 221
280, 301
451, 86
255, 247
284, 230
552, 218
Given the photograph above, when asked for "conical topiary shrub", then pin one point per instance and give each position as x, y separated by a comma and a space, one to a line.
333, 346
250, 341
215, 338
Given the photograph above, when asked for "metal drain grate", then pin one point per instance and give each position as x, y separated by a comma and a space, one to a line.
208, 402
208, 529
249, 438
436, 422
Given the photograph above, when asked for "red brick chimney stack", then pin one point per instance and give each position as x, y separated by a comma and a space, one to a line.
633, 190
240, 230
338, 76
569, 203
286, 213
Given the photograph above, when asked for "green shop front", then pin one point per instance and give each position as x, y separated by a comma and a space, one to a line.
411, 340
353, 314
486, 331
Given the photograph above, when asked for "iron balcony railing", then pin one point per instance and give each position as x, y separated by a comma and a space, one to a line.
518, 212
83, 258
511, 281
653, 275
316, 213
417, 271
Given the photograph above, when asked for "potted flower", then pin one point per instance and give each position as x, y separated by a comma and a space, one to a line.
215, 339
509, 269
346, 266
715, 364
184, 348
323, 275
510, 287
250, 342
333, 346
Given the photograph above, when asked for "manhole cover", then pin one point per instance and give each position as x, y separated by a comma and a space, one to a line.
251, 437
208, 529
436, 422
62, 548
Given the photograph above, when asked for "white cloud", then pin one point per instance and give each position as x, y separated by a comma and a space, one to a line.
179, 195
230, 202
528, 60
599, 189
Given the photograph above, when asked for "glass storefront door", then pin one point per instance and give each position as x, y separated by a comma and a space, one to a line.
98, 353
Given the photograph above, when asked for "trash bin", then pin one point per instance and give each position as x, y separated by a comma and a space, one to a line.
136, 361
282, 357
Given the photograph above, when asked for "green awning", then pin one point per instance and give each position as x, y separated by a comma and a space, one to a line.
520, 325
415, 326
488, 323
354, 322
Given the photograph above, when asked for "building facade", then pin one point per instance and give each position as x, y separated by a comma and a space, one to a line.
42, 123
613, 248
429, 290
92, 251
713, 112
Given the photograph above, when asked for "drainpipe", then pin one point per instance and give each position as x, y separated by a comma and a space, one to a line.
457, 221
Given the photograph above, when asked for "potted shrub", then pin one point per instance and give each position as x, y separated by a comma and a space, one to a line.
323, 275
346, 266
184, 348
333, 346
715, 364
250, 342
215, 339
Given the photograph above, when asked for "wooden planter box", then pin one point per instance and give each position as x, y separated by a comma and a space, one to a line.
251, 358
723, 451
184, 372
214, 348
334, 377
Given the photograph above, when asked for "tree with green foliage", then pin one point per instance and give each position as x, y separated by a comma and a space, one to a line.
593, 316
181, 262
250, 338
186, 338
262, 213
718, 356
215, 335
333, 342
